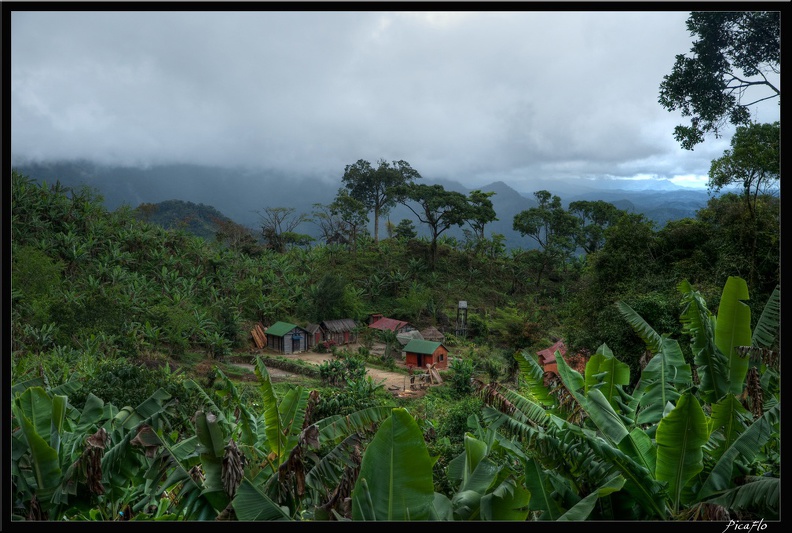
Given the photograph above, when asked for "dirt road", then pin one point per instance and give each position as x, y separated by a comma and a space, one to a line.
396, 383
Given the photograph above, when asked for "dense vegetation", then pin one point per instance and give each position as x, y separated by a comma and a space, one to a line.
124, 406
109, 310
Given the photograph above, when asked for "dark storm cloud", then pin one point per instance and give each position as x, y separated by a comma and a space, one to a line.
463, 95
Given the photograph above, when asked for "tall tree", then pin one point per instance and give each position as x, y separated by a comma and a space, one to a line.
551, 226
278, 225
595, 216
374, 187
732, 66
481, 211
437, 208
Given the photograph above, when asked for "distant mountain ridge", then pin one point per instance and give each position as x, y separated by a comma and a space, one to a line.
241, 194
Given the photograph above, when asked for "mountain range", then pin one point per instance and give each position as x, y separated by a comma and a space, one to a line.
243, 194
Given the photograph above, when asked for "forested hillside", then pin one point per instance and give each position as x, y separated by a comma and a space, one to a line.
108, 311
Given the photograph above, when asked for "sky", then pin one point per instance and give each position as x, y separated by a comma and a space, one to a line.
471, 96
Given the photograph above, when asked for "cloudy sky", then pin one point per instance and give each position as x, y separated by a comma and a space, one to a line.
470, 96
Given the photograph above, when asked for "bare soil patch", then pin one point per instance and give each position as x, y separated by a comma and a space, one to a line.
396, 383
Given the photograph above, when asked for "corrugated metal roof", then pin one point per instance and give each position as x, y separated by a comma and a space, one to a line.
312, 328
340, 325
421, 346
388, 323
279, 329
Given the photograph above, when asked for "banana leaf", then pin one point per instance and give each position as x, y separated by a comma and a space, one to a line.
712, 366
605, 417
507, 501
43, 458
583, 508
250, 504
651, 338
729, 420
680, 437
742, 451
733, 329
665, 372
533, 374
606, 374
760, 496
766, 328
273, 425
395, 480
541, 492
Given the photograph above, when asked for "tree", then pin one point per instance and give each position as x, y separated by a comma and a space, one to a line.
595, 217
551, 226
277, 227
753, 162
481, 211
375, 187
736, 52
437, 208
405, 230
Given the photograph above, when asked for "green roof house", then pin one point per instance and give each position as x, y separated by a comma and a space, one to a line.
420, 353
287, 338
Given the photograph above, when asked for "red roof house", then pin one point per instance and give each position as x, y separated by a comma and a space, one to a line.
548, 360
396, 326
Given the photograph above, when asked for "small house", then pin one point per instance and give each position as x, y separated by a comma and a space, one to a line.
314, 335
342, 331
420, 353
407, 336
287, 338
548, 361
432, 334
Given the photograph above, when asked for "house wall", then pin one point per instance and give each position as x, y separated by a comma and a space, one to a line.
285, 344
421, 360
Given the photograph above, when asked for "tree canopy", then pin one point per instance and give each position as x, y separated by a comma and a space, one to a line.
731, 68
374, 187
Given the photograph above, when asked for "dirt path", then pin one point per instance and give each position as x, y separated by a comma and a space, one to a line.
396, 383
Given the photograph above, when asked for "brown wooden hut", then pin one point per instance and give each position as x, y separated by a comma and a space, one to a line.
342, 330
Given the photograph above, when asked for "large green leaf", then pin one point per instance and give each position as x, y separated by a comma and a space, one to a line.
571, 378
44, 458
681, 436
606, 374
743, 450
581, 510
733, 329
36, 403
395, 480
711, 365
508, 501
761, 496
651, 338
604, 417
640, 482
729, 419
665, 372
766, 328
541, 491
533, 374
273, 424
250, 505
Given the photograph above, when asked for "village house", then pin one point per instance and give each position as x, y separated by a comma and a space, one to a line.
341, 331
547, 359
287, 338
383, 323
314, 335
419, 353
